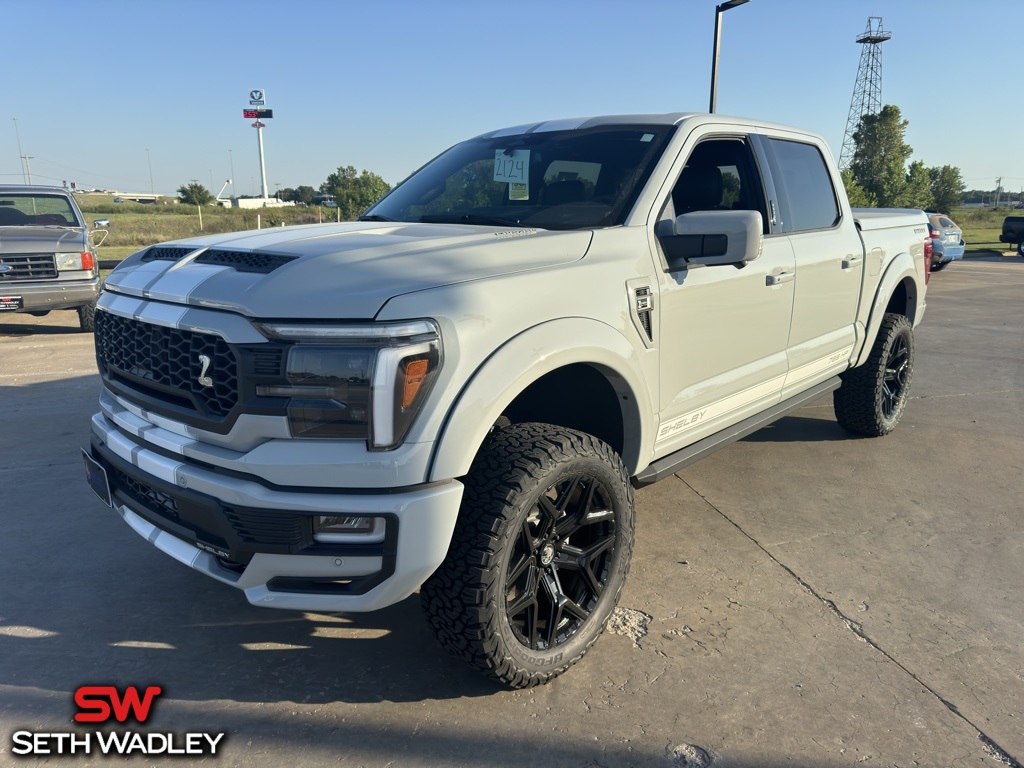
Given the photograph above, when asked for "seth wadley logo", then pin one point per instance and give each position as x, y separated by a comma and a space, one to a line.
103, 704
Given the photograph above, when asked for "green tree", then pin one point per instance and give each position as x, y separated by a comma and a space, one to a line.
881, 155
947, 187
303, 194
194, 193
858, 197
354, 192
918, 190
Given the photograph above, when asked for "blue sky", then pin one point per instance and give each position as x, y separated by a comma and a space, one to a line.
386, 85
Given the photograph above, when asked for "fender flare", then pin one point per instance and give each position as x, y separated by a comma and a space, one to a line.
524, 359
901, 268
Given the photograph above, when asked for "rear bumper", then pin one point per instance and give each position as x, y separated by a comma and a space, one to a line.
949, 253
41, 297
260, 540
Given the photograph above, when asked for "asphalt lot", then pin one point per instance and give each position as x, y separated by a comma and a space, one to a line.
809, 598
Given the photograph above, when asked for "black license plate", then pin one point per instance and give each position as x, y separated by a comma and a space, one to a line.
97, 477
11, 303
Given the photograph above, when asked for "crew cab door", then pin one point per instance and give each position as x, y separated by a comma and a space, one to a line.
725, 328
830, 260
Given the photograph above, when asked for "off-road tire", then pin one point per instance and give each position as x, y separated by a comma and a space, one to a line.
87, 318
529, 485
873, 396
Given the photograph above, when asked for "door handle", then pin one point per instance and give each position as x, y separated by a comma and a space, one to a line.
782, 277
851, 261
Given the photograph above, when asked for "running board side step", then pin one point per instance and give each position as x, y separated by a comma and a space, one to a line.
668, 465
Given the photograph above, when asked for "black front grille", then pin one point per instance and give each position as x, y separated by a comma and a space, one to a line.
167, 363
268, 527
166, 253
150, 498
27, 266
244, 261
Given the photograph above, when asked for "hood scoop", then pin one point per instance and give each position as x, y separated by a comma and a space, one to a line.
245, 261
241, 261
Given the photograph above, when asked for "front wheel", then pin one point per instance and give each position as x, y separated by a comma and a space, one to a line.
1020, 249
87, 318
539, 554
873, 396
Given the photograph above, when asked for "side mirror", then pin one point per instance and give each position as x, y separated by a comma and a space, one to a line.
711, 238
101, 225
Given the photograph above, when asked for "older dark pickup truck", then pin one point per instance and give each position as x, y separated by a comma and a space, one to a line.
1013, 232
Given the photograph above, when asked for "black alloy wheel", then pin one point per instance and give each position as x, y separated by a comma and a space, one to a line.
896, 377
561, 561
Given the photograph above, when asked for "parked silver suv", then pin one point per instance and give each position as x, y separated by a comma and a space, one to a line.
47, 255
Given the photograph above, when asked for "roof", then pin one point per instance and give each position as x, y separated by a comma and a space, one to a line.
12, 189
668, 118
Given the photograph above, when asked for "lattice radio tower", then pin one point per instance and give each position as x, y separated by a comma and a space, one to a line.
867, 92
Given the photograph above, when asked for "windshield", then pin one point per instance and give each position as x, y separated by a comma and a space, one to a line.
547, 179
28, 210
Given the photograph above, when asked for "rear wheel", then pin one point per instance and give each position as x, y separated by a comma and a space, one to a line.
873, 396
538, 557
1020, 249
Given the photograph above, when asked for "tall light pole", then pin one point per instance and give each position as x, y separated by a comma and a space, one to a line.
21, 155
719, 10
150, 164
231, 161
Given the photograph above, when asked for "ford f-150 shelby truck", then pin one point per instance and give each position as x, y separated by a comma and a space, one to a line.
458, 392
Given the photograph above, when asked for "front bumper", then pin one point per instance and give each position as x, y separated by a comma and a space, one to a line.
42, 297
259, 539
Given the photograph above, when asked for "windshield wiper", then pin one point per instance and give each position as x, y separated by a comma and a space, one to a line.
374, 217
468, 218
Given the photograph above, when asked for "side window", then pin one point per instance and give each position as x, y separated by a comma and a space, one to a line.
720, 175
802, 177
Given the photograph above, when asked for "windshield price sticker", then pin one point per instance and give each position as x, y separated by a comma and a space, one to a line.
513, 167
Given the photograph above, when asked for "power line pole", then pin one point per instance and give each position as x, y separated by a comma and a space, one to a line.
21, 164
150, 163
29, 166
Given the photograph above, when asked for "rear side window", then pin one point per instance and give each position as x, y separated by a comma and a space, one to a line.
802, 177
946, 222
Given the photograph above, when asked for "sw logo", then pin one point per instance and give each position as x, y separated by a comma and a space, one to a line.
105, 704
98, 703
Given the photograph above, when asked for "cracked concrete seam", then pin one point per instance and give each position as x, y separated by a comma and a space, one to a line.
991, 747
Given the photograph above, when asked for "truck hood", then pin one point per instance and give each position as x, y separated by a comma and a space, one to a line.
34, 239
342, 271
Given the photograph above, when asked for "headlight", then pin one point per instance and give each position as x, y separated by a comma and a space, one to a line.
75, 261
354, 381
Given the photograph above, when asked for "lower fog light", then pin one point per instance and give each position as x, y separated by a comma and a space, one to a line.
348, 528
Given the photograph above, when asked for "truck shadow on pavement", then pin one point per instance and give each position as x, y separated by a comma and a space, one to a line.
57, 323
802, 429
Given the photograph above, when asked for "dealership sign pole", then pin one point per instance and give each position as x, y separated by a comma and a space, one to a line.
257, 104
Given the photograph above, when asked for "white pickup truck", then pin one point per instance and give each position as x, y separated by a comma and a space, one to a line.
458, 392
